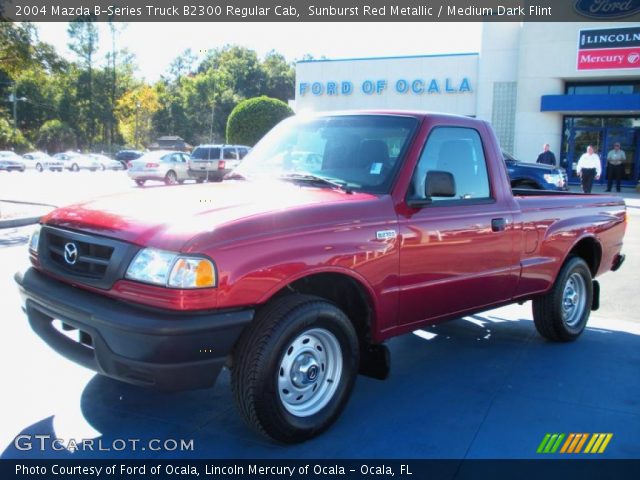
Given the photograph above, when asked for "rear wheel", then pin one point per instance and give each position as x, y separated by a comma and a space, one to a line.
199, 180
294, 368
39, 167
140, 183
74, 167
171, 178
561, 315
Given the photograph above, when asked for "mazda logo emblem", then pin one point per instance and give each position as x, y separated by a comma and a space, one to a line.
70, 253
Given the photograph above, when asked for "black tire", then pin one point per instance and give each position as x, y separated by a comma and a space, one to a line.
75, 168
170, 178
199, 180
551, 319
281, 327
102, 167
39, 167
140, 183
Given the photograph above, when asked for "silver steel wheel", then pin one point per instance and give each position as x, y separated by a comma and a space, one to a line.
310, 372
574, 298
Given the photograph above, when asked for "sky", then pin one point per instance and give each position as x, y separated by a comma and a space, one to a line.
155, 45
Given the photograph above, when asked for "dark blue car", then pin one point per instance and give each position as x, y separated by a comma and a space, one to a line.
536, 176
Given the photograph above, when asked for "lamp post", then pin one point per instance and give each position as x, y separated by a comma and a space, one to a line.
14, 99
135, 134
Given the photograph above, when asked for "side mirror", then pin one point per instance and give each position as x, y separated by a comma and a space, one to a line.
439, 184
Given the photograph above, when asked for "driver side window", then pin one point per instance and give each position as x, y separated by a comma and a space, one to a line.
456, 150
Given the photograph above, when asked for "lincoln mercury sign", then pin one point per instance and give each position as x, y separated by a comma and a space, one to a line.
418, 86
610, 48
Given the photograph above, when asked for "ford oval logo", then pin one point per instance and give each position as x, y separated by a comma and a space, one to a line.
607, 8
70, 253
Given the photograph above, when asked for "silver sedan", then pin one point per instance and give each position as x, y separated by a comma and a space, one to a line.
166, 166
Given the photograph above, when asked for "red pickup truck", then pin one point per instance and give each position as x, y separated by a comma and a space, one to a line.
337, 232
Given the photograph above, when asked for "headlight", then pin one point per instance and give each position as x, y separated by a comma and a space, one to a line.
34, 239
554, 178
170, 269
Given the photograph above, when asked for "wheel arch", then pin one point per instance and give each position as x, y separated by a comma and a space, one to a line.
350, 294
589, 249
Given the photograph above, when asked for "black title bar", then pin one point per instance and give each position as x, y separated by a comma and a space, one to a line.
321, 10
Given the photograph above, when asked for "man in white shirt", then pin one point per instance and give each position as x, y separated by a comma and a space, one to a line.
588, 169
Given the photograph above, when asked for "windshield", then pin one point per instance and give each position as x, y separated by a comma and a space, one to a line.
360, 152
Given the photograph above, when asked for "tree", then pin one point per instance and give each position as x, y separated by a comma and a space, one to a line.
83, 41
16, 46
134, 111
279, 77
240, 65
253, 118
55, 136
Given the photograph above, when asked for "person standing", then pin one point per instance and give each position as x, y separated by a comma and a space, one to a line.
615, 166
588, 169
547, 157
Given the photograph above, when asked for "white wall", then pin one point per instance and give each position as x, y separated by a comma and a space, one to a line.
455, 68
498, 62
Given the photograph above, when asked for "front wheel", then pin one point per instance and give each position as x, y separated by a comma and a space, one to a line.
39, 168
561, 314
294, 368
140, 183
75, 167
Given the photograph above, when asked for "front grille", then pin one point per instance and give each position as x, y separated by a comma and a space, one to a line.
83, 258
89, 260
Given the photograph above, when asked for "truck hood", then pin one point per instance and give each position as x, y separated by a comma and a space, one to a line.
168, 217
540, 167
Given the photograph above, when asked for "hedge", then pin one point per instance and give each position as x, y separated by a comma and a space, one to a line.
254, 117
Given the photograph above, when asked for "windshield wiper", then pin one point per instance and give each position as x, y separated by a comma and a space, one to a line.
307, 177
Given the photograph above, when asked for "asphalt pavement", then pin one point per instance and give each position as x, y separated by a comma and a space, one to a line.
485, 386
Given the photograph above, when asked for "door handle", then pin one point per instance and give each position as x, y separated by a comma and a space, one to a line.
498, 224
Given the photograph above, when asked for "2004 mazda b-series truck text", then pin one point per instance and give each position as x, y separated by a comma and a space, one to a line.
337, 232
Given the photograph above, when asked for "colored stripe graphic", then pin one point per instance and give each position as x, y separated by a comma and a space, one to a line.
543, 443
574, 442
598, 443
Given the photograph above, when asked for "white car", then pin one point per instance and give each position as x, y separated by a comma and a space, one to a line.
164, 165
41, 162
106, 163
75, 161
11, 161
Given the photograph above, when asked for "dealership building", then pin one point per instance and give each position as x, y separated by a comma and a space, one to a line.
566, 84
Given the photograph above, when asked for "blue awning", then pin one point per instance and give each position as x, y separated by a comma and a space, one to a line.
623, 103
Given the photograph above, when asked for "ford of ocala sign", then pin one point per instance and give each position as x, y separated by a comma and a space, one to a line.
604, 9
418, 86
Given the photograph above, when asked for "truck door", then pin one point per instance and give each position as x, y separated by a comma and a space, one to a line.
456, 253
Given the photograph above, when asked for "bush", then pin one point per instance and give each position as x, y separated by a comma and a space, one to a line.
55, 136
252, 118
10, 140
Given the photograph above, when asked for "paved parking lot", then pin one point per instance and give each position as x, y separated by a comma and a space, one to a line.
485, 386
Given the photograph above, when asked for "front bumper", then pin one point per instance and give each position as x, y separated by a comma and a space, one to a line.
160, 349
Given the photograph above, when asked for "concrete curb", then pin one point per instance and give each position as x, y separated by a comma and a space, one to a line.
23, 221
19, 222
